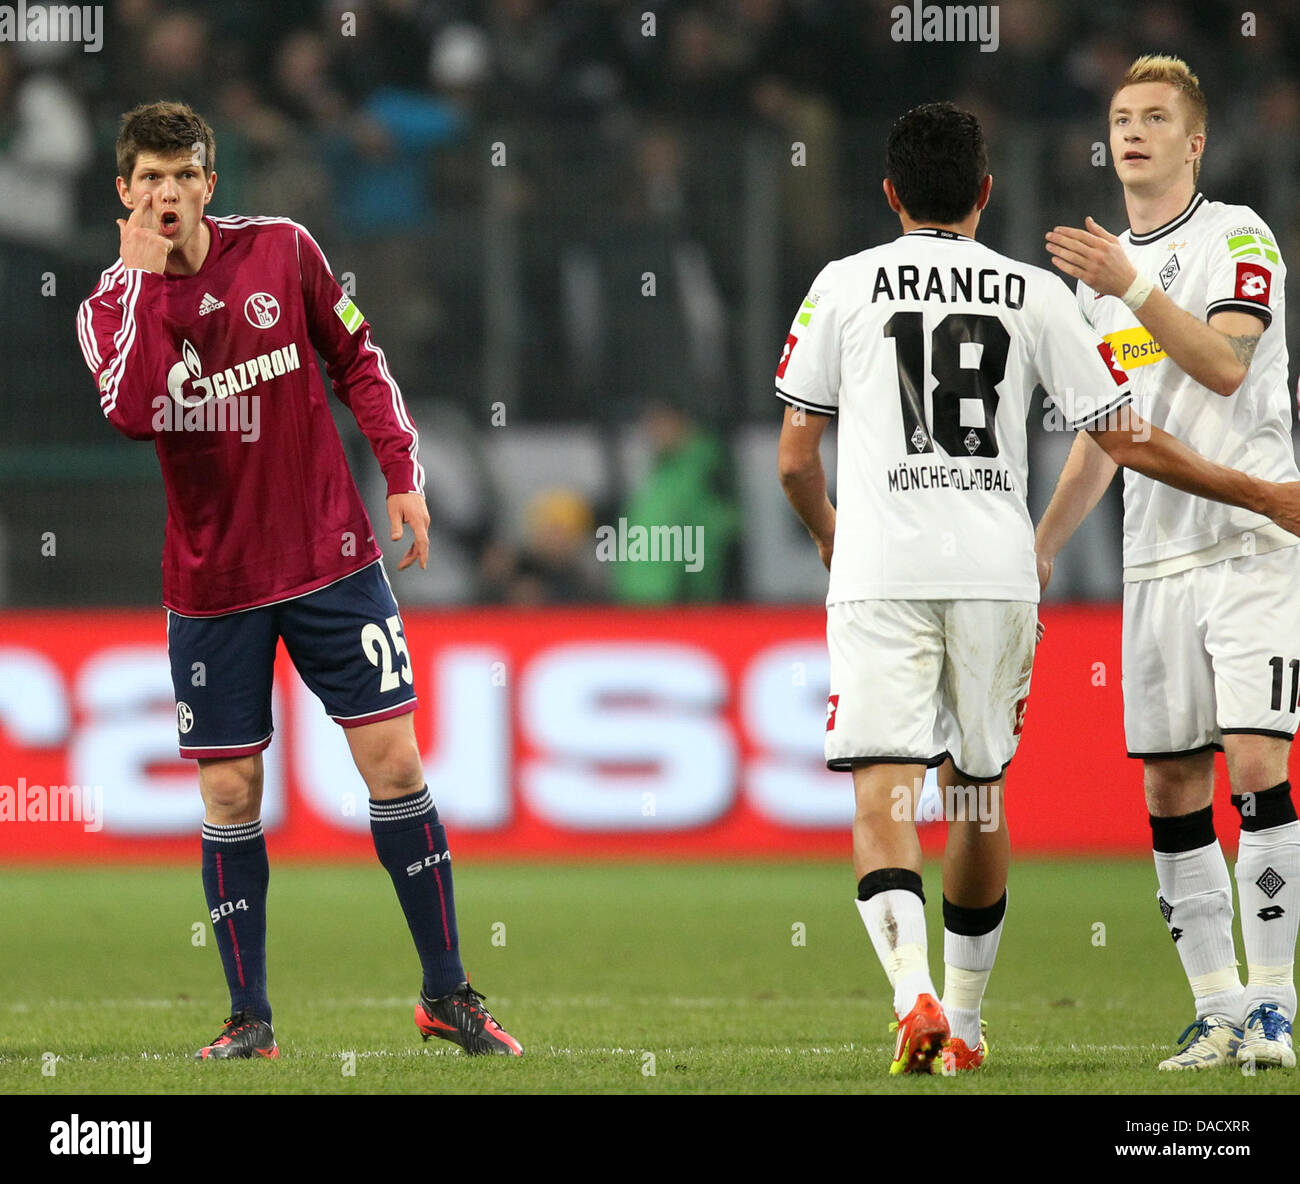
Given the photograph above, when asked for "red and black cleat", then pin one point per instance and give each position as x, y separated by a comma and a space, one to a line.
461, 1018
243, 1036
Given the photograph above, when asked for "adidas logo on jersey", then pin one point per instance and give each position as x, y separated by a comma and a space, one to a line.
210, 303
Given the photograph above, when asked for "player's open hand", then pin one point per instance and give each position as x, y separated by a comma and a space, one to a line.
410, 507
1284, 505
141, 244
1092, 255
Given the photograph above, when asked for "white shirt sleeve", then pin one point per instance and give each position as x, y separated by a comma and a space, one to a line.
808, 374
1086, 298
1245, 268
1077, 368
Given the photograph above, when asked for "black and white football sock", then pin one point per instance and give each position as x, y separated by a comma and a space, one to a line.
1268, 883
892, 905
1195, 897
970, 945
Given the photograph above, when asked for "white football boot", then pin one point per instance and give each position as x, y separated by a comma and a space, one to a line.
1213, 1044
1266, 1040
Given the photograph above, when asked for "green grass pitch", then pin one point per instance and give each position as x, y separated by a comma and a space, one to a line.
618, 978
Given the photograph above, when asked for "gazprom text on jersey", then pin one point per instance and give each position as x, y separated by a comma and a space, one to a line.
985, 286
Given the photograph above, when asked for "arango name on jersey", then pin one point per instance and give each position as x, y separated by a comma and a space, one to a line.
986, 285
905, 477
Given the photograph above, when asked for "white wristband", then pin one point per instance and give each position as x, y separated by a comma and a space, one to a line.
1137, 292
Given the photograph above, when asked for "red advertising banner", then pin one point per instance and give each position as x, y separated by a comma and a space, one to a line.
548, 733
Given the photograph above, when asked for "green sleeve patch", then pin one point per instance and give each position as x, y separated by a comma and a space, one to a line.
1252, 246
349, 313
807, 308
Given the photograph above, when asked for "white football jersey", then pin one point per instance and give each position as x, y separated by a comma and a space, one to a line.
1211, 258
929, 348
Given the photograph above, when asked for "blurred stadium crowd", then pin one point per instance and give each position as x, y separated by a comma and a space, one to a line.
579, 229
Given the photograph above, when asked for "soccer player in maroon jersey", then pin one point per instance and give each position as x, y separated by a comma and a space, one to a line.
201, 339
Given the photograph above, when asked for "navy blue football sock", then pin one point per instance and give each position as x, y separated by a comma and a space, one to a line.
235, 877
412, 846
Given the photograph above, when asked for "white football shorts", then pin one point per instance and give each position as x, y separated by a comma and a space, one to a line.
1212, 651
916, 681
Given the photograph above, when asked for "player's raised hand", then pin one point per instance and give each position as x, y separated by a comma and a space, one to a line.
1091, 225
141, 244
1092, 255
410, 507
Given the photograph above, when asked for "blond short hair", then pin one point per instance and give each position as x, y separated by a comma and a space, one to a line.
1158, 67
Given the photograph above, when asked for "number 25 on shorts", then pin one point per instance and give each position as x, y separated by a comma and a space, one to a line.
380, 653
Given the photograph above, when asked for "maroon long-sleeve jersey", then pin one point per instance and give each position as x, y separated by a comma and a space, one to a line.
218, 369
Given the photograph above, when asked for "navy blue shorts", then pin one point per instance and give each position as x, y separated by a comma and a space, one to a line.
345, 640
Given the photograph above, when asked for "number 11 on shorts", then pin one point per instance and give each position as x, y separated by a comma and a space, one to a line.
1277, 665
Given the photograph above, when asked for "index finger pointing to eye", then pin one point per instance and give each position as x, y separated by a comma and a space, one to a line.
143, 213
